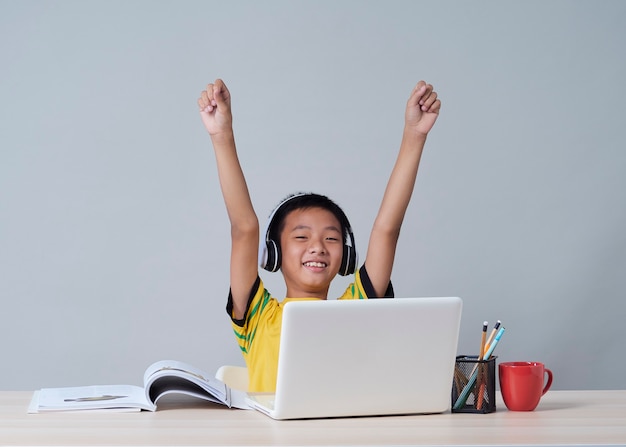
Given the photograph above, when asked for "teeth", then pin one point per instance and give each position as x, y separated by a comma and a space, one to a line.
315, 264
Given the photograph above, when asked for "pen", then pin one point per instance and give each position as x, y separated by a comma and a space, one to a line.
94, 398
493, 345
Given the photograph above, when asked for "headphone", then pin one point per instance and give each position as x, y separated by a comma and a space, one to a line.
269, 252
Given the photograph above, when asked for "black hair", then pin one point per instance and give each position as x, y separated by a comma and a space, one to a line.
306, 201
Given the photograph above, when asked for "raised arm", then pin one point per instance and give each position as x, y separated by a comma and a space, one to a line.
215, 111
422, 110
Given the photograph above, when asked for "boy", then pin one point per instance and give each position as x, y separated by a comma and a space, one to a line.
308, 236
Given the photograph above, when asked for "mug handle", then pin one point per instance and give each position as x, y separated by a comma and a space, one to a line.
549, 384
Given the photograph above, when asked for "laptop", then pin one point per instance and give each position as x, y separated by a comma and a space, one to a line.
344, 358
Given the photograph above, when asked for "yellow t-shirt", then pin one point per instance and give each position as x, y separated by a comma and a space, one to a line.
258, 333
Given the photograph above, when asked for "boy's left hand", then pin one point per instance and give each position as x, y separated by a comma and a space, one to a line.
422, 108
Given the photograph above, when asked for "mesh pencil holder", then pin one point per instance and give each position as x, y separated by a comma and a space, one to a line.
474, 385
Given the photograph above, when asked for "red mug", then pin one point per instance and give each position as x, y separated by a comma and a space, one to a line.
522, 384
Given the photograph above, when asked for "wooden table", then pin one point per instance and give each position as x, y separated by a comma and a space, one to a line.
562, 418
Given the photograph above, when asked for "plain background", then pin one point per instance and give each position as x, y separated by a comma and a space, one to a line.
114, 242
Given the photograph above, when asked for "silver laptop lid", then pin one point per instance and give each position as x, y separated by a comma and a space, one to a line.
367, 357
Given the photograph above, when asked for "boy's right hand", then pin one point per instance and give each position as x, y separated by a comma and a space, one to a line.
214, 103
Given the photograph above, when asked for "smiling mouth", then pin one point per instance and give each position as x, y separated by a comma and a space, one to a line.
315, 264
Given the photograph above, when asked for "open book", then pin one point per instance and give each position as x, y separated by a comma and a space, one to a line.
161, 378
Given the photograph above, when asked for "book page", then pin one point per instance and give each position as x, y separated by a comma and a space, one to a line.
92, 397
168, 376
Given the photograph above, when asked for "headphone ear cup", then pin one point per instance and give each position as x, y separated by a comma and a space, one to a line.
348, 261
272, 258
354, 260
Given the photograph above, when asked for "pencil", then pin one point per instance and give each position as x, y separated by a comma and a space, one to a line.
482, 341
481, 375
493, 334
483, 347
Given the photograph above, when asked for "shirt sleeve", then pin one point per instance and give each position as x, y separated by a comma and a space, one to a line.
362, 288
229, 304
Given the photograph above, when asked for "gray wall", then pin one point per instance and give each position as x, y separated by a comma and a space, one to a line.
114, 241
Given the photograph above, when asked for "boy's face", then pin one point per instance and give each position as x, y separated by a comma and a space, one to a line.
312, 247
